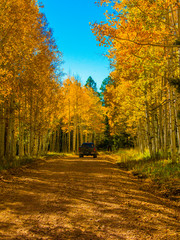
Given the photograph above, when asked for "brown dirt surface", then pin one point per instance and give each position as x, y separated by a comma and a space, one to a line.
64, 198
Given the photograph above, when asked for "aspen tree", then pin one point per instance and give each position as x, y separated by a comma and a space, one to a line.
144, 37
28, 78
82, 112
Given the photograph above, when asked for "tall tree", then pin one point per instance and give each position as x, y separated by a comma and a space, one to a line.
143, 36
83, 113
29, 79
91, 83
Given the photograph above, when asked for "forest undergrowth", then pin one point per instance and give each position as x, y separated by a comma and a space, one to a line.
161, 172
18, 162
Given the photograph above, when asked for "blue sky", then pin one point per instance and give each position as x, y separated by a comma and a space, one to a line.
69, 20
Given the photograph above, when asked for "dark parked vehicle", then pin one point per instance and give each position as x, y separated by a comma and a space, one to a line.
87, 149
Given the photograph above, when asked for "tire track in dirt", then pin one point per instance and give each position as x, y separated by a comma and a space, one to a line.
83, 199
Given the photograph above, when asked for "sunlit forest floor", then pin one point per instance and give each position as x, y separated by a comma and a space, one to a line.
163, 175
64, 197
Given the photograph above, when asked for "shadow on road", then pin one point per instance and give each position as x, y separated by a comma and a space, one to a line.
69, 198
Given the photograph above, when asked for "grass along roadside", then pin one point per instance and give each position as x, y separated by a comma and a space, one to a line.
18, 162
162, 172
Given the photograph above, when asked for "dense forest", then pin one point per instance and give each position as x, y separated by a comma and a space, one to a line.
127, 184
39, 113
29, 74
143, 96
138, 104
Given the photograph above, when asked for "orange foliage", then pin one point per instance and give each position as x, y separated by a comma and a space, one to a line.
29, 88
140, 35
80, 104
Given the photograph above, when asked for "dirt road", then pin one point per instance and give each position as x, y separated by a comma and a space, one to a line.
66, 198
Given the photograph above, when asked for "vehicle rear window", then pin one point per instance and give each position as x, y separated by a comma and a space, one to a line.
88, 144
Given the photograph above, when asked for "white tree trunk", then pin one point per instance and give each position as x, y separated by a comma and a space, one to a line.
172, 125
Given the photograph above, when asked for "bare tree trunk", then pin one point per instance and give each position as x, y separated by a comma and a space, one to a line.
21, 134
63, 142
165, 120
31, 132
95, 138
10, 138
69, 141
161, 129
148, 129
58, 140
177, 123
69, 133
2, 132
53, 141
172, 125
86, 137
12, 129
77, 149
158, 125
154, 137
74, 136
44, 144
39, 144
35, 145
91, 137
81, 135
140, 137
